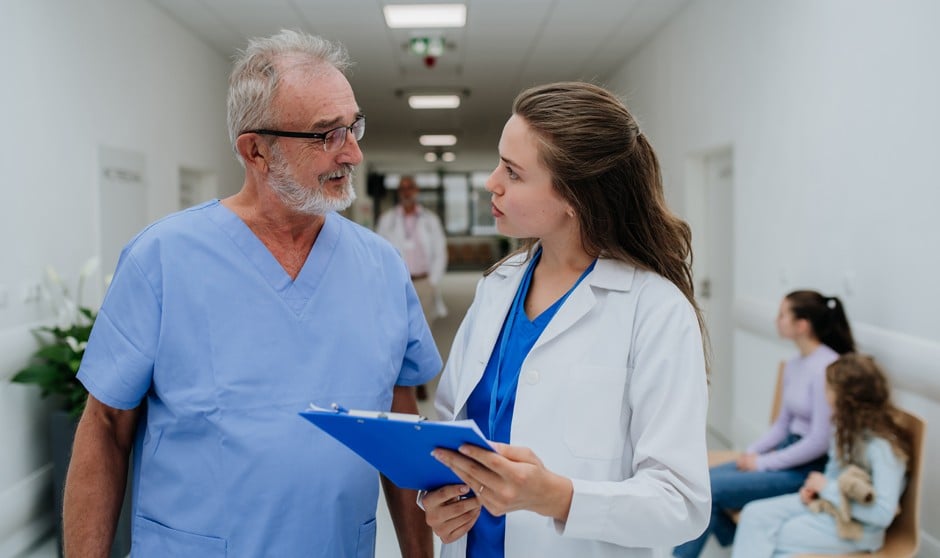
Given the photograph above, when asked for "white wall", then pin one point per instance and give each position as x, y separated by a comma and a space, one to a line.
831, 111
76, 76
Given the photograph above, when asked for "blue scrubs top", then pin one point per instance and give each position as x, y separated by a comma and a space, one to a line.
492, 409
203, 325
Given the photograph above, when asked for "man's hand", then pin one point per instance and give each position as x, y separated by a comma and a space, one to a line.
449, 512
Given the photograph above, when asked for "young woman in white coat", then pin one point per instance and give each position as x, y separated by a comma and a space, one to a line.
581, 355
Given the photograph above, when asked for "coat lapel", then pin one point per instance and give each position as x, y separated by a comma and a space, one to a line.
489, 321
607, 275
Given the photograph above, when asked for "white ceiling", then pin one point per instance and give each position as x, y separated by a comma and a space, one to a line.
507, 45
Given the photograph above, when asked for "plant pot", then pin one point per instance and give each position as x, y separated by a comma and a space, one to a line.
62, 434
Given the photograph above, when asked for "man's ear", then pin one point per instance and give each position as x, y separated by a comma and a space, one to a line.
254, 152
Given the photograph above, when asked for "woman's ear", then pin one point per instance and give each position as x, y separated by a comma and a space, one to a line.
255, 153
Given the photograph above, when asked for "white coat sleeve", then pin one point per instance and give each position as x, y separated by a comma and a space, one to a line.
667, 499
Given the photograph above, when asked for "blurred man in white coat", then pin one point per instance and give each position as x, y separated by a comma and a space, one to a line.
419, 237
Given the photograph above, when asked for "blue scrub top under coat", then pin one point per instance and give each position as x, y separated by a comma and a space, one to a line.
203, 323
516, 338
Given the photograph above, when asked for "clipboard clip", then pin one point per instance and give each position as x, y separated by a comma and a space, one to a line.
339, 409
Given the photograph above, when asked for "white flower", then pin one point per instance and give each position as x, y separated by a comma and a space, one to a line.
54, 277
90, 266
65, 308
74, 344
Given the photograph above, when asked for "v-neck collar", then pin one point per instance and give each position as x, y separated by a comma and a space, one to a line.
294, 292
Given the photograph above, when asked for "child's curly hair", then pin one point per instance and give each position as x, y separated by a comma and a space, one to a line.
863, 407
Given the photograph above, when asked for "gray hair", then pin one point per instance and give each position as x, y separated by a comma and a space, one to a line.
257, 72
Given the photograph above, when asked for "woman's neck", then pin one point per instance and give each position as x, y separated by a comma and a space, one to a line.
555, 273
808, 346
563, 260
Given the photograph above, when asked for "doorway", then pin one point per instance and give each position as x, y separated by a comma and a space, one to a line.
710, 180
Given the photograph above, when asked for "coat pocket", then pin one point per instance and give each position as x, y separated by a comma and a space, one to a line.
595, 422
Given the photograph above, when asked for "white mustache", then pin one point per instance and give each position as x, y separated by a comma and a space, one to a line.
343, 172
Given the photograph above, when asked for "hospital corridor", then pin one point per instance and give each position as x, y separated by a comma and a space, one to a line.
714, 309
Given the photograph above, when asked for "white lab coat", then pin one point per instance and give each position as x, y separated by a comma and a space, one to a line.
614, 396
429, 237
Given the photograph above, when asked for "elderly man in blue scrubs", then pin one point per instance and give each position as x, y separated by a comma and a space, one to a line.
225, 320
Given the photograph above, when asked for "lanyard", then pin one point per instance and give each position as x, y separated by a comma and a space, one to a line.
497, 408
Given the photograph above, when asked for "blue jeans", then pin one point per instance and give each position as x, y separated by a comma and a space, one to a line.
732, 489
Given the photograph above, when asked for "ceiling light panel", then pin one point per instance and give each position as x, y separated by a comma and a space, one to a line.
437, 140
418, 16
434, 101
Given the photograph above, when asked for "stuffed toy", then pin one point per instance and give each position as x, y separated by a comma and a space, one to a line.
854, 486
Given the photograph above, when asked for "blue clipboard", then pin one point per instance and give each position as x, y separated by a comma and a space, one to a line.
399, 445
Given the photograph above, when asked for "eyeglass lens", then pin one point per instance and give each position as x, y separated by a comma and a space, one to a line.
336, 139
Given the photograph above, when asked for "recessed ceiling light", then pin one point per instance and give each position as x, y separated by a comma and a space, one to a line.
448, 157
434, 101
430, 156
437, 140
401, 16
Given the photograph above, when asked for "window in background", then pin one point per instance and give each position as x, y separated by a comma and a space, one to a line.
483, 221
456, 204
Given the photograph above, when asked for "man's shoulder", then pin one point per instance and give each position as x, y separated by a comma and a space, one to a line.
184, 223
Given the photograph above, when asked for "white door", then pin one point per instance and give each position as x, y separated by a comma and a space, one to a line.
711, 211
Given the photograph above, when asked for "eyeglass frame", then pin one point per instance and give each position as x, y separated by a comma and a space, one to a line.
322, 136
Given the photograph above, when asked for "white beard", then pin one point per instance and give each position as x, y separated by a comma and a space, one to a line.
309, 201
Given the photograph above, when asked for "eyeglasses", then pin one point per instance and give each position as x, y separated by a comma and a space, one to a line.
333, 140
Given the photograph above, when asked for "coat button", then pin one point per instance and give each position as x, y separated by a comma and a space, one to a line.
532, 377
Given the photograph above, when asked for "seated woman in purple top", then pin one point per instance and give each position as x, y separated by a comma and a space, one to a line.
797, 442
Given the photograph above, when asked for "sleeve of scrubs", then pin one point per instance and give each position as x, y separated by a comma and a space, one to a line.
422, 359
117, 367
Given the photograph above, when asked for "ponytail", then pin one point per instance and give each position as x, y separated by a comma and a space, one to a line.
826, 315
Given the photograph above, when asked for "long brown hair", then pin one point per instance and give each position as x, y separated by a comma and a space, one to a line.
863, 407
605, 168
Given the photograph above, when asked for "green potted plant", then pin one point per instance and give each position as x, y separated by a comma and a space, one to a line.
55, 363
53, 368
